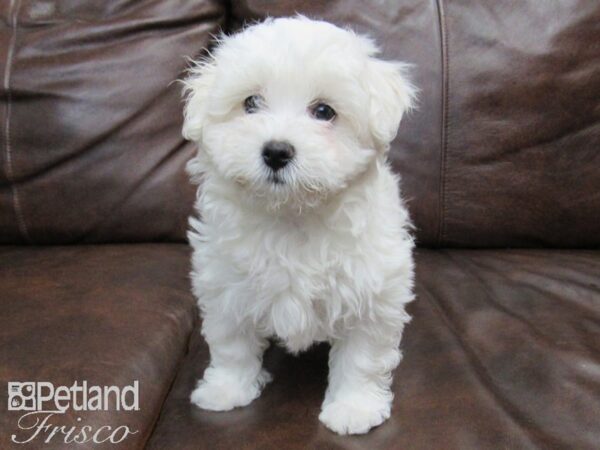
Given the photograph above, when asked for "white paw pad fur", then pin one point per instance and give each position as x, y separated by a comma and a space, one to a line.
354, 417
224, 395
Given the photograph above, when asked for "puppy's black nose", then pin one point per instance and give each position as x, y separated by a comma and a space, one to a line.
276, 154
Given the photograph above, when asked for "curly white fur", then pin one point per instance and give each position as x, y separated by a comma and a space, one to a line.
326, 254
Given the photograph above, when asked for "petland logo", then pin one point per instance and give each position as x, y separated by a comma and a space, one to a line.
42, 401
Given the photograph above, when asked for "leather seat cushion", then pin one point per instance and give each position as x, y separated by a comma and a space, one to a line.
108, 315
500, 354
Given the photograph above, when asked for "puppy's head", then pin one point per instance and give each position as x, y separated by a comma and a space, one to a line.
293, 110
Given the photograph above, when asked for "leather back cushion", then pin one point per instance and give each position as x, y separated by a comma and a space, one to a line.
91, 121
504, 149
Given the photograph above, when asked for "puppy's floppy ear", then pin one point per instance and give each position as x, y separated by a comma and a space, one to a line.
196, 90
390, 95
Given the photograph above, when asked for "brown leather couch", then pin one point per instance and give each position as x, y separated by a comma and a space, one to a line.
500, 167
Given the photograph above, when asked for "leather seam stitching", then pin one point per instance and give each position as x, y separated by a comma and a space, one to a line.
444, 128
14, 10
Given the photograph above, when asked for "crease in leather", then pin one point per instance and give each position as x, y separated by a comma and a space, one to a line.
537, 286
443, 31
501, 156
41, 171
87, 148
133, 189
550, 293
562, 353
18, 210
177, 369
479, 372
161, 411
467, 265
127, 22
464, 266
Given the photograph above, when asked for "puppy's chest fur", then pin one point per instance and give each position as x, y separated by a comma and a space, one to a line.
298, 281
300, 278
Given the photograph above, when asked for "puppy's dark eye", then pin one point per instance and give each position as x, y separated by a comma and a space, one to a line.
253, 103
322, 111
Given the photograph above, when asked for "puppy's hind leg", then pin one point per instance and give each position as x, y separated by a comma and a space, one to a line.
360, 374
235, 375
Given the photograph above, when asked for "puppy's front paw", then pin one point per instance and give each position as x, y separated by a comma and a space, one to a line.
227, 393
354, 416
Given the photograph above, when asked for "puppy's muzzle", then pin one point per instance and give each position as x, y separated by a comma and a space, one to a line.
277, 154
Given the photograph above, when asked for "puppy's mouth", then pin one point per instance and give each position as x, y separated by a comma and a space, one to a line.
275, 178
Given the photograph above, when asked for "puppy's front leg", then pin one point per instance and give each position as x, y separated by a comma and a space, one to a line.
360, 374
235, 375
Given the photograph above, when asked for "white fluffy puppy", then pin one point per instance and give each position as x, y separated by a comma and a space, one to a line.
303, 235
